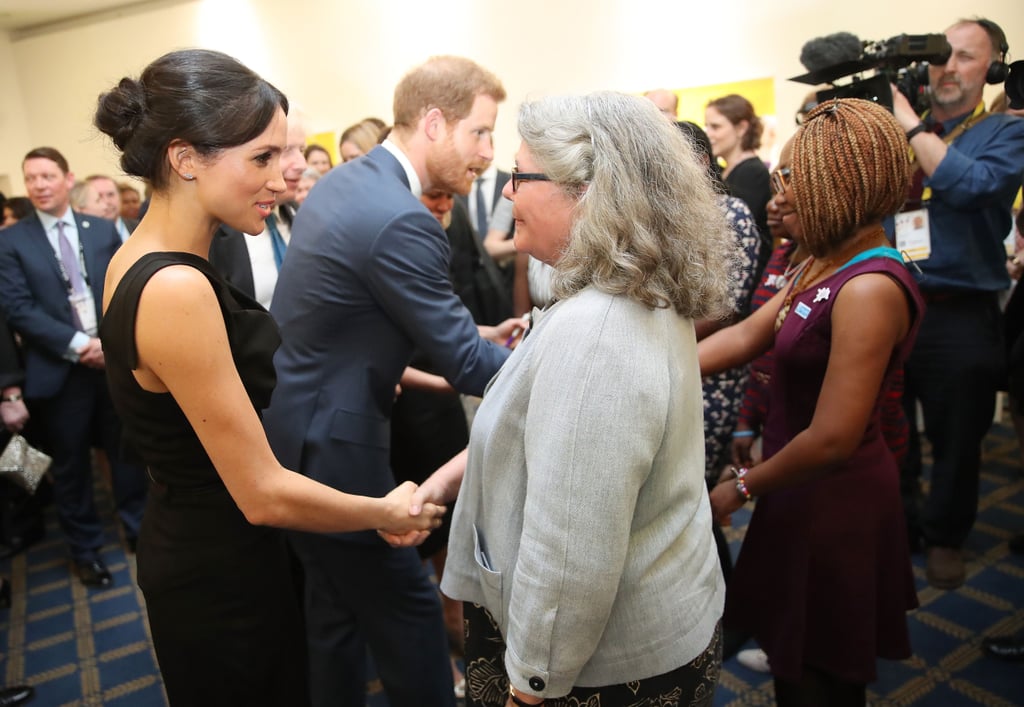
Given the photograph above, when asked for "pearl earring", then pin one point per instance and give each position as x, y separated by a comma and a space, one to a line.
188, 177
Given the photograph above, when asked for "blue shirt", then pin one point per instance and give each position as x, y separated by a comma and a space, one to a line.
969, 212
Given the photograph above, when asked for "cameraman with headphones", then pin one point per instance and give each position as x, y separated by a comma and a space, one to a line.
969, 166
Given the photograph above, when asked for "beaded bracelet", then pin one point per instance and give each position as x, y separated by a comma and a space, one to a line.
742, 433
741, 483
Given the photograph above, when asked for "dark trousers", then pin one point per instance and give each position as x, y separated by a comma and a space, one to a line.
955, 370
360, 596
79, 414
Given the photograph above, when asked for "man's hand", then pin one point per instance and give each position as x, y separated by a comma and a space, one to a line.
91, 354
14, 413
509, 333
905, 114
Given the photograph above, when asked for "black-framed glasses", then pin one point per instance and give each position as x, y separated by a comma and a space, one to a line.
780, 180
518, 176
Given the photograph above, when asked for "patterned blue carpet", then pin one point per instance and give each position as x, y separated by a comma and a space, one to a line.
81, 647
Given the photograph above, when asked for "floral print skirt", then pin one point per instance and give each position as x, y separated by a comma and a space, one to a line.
691, 685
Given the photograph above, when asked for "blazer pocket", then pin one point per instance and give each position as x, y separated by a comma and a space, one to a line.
490, 580
367, 430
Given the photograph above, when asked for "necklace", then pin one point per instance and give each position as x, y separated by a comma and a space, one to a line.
791, 269
827, 268
813, 278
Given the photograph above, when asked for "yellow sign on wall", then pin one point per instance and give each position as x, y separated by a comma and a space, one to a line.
692, 101
328, 141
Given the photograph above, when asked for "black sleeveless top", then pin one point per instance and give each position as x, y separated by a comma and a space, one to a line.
156, 431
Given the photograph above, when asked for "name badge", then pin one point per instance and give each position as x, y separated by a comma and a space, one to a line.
85, 308
802, 310
913, 237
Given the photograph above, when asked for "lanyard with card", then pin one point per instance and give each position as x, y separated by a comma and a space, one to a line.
913, 234
83, 305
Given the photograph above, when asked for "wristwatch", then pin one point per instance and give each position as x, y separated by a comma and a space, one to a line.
916, 130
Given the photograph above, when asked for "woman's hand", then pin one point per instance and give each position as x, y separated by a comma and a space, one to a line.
725, 499
402, 522
742, 445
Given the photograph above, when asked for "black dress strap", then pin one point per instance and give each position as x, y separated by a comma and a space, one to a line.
123, 307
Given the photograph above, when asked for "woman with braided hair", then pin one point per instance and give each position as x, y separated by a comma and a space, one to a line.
823, 580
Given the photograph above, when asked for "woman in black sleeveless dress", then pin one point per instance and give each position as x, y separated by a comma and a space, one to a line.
190, 363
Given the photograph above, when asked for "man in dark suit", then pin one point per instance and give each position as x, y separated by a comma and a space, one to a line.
482, 198
493, 225
52, 264
366, 282
251, 262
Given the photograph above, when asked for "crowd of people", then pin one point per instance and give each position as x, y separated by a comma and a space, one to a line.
294, 472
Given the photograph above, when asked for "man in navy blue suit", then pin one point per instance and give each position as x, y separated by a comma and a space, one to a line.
52, 264
365, 282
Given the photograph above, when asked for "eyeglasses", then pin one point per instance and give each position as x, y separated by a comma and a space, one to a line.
518, 176
780, 180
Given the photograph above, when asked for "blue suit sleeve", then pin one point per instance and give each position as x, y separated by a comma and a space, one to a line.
28, 282
409, 278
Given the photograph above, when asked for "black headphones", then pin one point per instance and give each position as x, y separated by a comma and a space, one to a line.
997, 70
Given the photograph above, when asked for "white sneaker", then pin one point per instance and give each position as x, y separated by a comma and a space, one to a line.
754, 659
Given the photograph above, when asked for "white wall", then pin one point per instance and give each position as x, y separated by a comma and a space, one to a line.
14, 133
339, 60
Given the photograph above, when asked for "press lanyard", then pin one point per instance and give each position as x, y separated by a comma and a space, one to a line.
976, 117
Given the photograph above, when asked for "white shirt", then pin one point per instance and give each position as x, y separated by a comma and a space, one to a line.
261, 258
415, 186
486, 182
122, 229
49, 222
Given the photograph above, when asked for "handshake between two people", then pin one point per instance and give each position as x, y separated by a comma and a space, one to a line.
420, 509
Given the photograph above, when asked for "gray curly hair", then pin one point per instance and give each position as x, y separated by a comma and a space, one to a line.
647, 223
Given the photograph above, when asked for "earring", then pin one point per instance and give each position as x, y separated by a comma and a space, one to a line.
188, 177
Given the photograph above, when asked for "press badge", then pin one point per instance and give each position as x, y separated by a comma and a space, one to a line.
913, 237
85, 310
802, 310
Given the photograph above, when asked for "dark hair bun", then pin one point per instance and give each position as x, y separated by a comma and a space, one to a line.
201, 97
121, 110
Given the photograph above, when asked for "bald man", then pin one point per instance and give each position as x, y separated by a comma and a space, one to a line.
667, 102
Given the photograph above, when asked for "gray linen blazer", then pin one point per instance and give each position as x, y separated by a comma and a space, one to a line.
583, 523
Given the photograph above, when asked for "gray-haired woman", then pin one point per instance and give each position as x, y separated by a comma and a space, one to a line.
581, 541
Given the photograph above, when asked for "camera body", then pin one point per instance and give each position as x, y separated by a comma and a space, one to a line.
901, 60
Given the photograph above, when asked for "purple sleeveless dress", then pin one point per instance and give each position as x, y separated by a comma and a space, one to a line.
824, 575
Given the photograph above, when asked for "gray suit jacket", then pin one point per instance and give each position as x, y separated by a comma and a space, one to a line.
365, 282
583, 523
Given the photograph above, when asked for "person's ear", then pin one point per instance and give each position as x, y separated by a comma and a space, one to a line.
183, 159
434, 124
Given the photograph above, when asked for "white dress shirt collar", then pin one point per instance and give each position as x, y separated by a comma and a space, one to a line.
415, 186
49, 223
